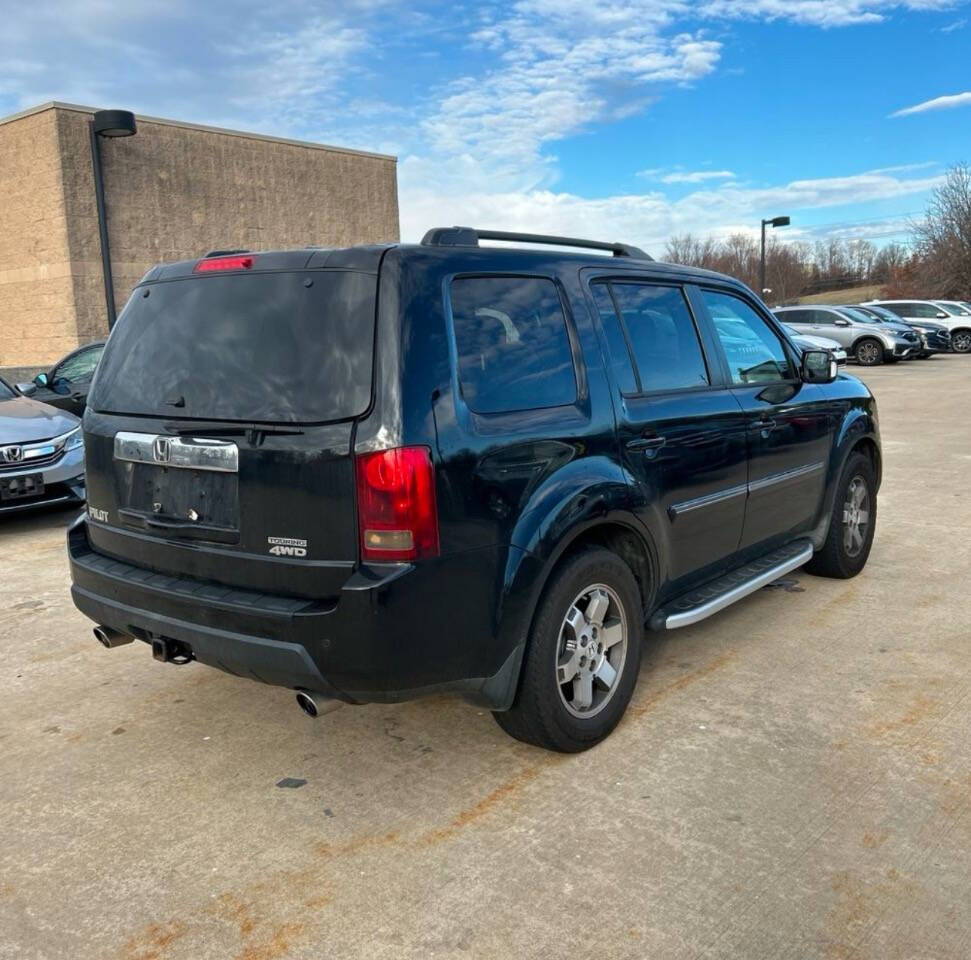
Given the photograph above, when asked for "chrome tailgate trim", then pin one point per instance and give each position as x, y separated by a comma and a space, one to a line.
184, 453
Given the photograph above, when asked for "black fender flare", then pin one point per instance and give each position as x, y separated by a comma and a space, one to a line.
858, 425
595, 494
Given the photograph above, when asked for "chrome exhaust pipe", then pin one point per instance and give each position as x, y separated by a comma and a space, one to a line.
316, 704
109, 637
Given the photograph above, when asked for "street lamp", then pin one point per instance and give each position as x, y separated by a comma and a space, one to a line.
107, 123
771, 222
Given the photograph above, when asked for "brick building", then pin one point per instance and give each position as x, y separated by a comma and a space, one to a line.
172, 191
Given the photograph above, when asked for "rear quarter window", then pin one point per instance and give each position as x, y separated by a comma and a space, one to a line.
512, 345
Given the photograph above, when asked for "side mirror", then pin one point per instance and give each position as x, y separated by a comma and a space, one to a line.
841, 323
942, 315
40, 380
818, 366
26, 389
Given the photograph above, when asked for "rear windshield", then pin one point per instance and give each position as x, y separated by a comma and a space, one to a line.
269, 347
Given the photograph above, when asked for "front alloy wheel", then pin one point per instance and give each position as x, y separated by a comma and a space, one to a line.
869, 353
856, 516
961, 341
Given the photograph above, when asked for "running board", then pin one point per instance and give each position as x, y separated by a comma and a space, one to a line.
717, 594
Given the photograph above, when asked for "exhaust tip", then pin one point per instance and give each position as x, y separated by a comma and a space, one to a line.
315, 704
306, 703
108, 637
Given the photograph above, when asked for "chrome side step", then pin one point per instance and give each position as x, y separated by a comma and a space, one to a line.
702, 602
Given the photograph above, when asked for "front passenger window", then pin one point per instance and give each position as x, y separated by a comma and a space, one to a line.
752, 348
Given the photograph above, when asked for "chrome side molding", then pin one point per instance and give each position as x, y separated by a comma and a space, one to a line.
186, 453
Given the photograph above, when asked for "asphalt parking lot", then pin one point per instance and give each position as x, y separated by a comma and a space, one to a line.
793, 778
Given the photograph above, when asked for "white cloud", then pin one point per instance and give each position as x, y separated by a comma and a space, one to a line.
647, 219
696, 176
957, 25
938, 103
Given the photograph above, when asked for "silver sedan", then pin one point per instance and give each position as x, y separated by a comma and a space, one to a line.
41, 454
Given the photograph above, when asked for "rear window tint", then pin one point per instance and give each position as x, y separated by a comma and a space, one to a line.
285, 347
512, 344
662, 335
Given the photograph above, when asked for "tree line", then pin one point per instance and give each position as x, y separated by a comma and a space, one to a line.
936, 264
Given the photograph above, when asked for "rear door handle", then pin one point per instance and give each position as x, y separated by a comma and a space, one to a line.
647, 444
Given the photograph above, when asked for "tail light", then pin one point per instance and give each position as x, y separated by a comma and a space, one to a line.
396, 507
223, 263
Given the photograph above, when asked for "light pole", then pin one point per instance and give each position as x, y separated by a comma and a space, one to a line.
771, 222
107, 123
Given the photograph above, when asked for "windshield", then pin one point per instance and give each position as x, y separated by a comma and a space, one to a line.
953, 309
883, 314
860, 316
267, 347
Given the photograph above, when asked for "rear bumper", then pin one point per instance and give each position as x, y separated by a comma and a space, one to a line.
373, 643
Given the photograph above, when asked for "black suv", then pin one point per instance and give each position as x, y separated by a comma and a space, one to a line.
379, 472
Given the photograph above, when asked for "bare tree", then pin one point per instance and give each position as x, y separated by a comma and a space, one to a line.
943, 238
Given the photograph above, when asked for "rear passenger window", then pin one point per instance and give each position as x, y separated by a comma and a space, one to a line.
662, 336
512, 344
620, 358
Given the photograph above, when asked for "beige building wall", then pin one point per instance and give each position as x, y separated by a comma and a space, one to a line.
172, 191
37, 317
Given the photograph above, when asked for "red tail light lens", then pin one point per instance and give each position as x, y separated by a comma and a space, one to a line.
223, 263
396, 504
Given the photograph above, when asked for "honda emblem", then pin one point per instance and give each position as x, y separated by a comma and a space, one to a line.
162, 449
12, 454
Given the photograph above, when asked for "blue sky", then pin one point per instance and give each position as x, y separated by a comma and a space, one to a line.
624, 120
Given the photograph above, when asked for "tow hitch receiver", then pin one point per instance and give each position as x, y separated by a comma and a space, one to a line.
167, 650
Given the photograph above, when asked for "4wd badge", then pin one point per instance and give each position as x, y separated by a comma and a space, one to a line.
287, 547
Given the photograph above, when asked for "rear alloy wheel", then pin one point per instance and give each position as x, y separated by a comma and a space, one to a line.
961, 341
868, 352
582, 657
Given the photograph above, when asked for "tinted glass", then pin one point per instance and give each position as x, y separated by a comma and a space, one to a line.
6, 392
926, 310
662, 335
795, 316
80, 367
620, 361
953, 309
277, 347
858, 315
753, 350
512, 344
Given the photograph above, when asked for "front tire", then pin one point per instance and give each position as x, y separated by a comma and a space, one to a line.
852, 524
582, 658
961, 341
868, 352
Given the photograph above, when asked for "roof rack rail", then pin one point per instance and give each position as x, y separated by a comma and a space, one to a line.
470, 237
221, 253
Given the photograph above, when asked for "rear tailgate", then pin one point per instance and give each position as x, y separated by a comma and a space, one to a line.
219, 432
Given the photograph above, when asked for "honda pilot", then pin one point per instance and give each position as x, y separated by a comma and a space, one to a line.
374, 473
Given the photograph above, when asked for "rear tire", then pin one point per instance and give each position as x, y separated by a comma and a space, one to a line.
852, 524
868, 352
590, 615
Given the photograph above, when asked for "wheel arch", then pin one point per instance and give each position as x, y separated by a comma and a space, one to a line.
527, 577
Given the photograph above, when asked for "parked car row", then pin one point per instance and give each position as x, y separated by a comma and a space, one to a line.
884, 331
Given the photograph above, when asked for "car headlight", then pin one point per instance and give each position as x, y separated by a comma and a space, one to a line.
74, 440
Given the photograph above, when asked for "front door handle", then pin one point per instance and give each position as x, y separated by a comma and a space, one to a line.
763, 423
649, 445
